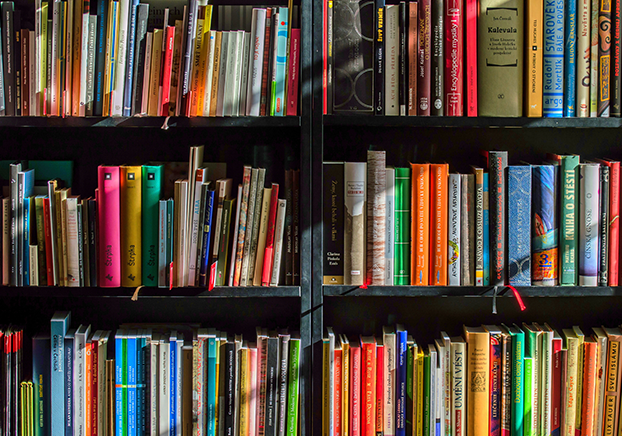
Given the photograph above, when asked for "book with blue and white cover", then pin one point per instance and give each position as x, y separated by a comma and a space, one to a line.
553, 59
570, 59
545, 226
519, 225
59, 325
278, 85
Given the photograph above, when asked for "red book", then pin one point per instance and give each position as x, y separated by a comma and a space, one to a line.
268, 258
337, 400
109, 216
379, 389
471, 10
368, 381
167, 69
425, 66
355, 389
614, 224
413, 44
293, 76
454, 10
48, 241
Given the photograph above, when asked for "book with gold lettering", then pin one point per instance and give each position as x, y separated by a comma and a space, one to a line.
478, 380
420, 224
611, 413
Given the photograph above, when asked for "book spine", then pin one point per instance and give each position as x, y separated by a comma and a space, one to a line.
454, 62
529, 398
556, 387
453, 254
467, 230
269, 250
588, 411
400, 384
506, 384
92, 242
293, 387
478, 396
594, 65
281, 62
151, 192
246, 182
496, 362
519, 220
458, 403
486, 226
403, 59
424, 68
534, 15
294, 73
479, 226
605, 67
616, 78
583, 58
471, 49
333, 223
588, 230
570, 58
402, 226
568, 221
614, 224
368, 404
438, 221
569, 407
109, 205
379, 57
376, 217
167, 64
208, 229
612, 390
413, 45
420, 224
140, 54
518, 379
391, 60
553, 101
544, 242
437, 85
603, 269
355, 185
70, 381
131, 229
497, 165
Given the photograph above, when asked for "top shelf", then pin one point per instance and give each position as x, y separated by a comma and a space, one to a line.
150, 122
474, 122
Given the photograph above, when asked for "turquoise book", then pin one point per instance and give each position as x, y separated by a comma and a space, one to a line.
553, 59
59, 325
544, 226
486, 218
568, 222
403, 197
130, 372
570, 59
278, 82
212, 380
518, 380
519, 225
151, 193
26, 247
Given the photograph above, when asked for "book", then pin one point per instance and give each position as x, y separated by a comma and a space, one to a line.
538, 73
424, 65
568, 221
570, 58
453, 21
517, 376
588, 231
402, 226
467, 230
583, 59
379, 57
413, 45
614, 212
420, 224
131, 220
612, 390
603, 231
544, 230
152, 180
438, 222
333, 219
569, 408
355, 185
519, 220
109, 205
553, 95
454, 225
479, 225
478, 389
376, 217
390, 228
497, 163
390, 38
270, 237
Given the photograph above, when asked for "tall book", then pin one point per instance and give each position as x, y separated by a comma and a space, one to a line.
588, 410
589, 219
612, 382
544, 227
368, 386
379, 57
497, 163
594, 64
603, 231
500, 72
553, 94
454, 57
152, 177
437, 68
605, 56
376, 217
419, 270
569, 407
402, 226
568, 220
517, 379
534, 51
570, 58
438, 222
131, 211
453, 230
614, 213
59, 325
390, 228
467, 230
424, 92
413, 43
479, 225
355, 185
471, 62
583, 59
478, 381
519, 220
391, 59
109, 214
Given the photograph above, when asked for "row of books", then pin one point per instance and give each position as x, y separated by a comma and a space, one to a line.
522, 225
491, 380
152, 380
470, 58
124, 58
128, 235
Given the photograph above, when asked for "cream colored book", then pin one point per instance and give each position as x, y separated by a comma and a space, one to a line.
355, 177
278, 242
154, 80
261, 240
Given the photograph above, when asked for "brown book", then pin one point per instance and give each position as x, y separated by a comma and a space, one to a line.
110, 395
413, 42
478, 380
186, 400
467, 230
611, 413
156, 68
500, 58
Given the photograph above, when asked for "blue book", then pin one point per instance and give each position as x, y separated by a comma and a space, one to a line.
41, 353
173, 382
486, 219
59, 324
400, 397
212, 380
553, 59
25, 188
27, 241
545, 226
570, 60
519, 225
130, 368
278, 85
69, 398
119, 363
207, 236
129, 65
140, 339
100, 56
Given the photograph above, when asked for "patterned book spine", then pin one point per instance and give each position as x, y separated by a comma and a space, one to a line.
420, 224
588, 229
479, 226
333, 223
604, 226
568, 221
553, 94
425, 65
376, 215
438, 223
604, 58
506, 383
453, 232
570, 59
472, 10
534, 15
478, 385
616, 77
402, 226
594, 73
519, 223
355, 185
544, 229
583, 58
454, 58
486, 219
497, 161
437, 85
467, 231
496, 354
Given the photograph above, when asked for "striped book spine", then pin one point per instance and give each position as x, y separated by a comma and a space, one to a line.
553, 93
604, 58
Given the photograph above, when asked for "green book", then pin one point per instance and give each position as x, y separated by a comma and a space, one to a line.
528, 396
170, 214
568, 221
518, 379
152, 191
532, 381
223, 250
426, 393
410, 365
402, 226
293, 387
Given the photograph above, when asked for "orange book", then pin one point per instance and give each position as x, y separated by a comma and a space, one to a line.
420, 224
368, 386
478, 380
438, 223
88, 388
589, 387
337, 400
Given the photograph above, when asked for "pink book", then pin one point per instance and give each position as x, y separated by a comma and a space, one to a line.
167, 69
252, 415
269, 251
355, 389
453, 58
294, 68
424, 89
471, 57
109, 213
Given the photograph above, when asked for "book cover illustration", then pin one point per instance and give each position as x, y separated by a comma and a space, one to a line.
544, 229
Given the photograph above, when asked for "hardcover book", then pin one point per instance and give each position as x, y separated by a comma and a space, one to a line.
553, 95
419, 270
534, 20
453, 230
478, 381
454, 57
424, 68
467, 230
603, 231
437, 68
589, 217
438, 222
376, 217
131, 211
479, 224
497, 163
544, 228
355, 189
613, 222
390, 228
568, 221
109, 205
570, 58
391, 59
402, 226
605, 67
583, 58
519, 221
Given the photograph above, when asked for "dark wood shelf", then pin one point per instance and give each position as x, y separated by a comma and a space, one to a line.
470, 291
466, 122
152, 293
149, 122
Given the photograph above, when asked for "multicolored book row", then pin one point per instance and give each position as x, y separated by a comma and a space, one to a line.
520, 225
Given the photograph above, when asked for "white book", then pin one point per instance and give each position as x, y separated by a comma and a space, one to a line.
33, 251
73, 240
209, 74
589, 224
201, 176
222, 73
90, 64
230, 68
236, 229
244, 81
355, 191
453, 230
237, 73
32, 72
391, 60
253, 99
262, 233
79, 379
458, 380
433, 384
390, 379
278, 242
120, 59
252, 202
147, 73
154, 373
389, 246
546, 380
164, 388
440, 385
86, 20
38, 54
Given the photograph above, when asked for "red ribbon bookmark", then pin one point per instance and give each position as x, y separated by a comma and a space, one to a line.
519, 299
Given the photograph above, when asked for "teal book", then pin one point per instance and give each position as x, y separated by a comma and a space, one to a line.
26, 241
293, 387
152, 191
518, 380
212, 380
59, 325
170, 213
403, 197
568, 222
278, 81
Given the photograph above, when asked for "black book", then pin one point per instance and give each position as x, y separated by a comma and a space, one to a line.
139, 57
333, 216
403, 59
272, 375
603, 269
379, 31
497, 165
353, 84
100, 55
296, 227
92, 242
8, 57
81, 264
289, 244
186, 62
438, 66
229, 387
17, 58
329, 57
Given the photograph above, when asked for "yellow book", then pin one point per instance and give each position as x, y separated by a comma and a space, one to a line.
203, 60
533, 57
572, 393
214, 92
418, 391
131, 219
478, 380
154, 80
581, 339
